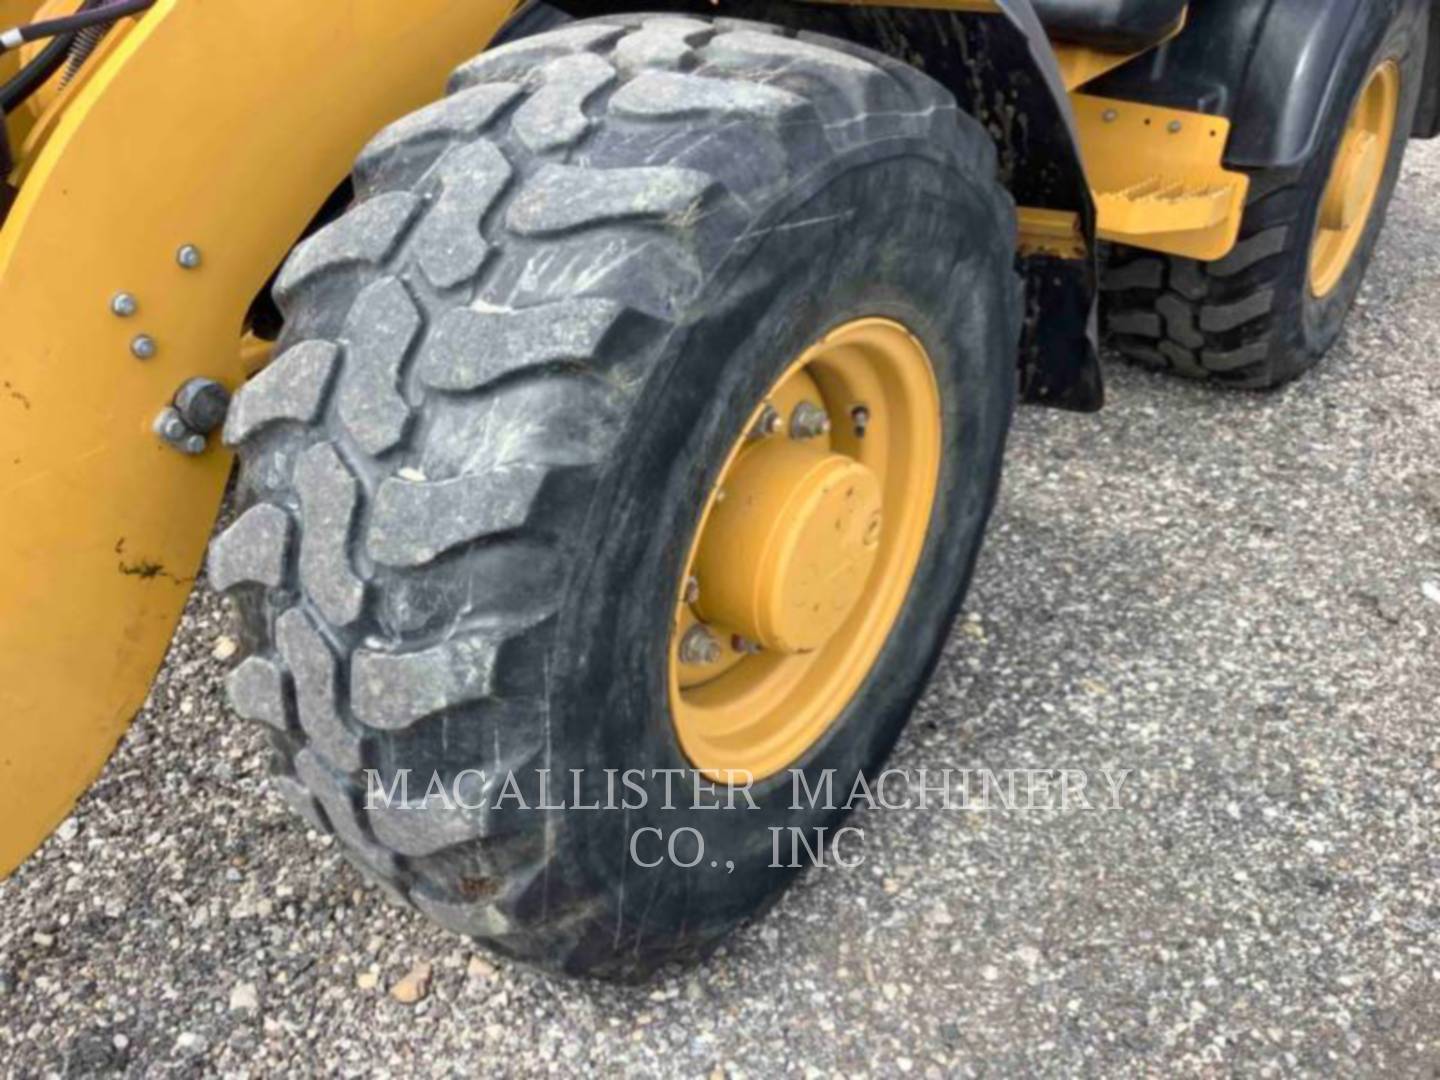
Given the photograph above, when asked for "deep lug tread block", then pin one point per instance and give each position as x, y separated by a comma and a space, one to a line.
1139, 323
450, 247
293, 387
392, 691
1248, 252
366, 236
1180, 321
663, 96
470, 349
519, 59
254, 550
317, 692
400, 154
666, 43
329, 497
564, 198
256, 690
1217, 318
1135, 274
383, 326
555, 117
416, 522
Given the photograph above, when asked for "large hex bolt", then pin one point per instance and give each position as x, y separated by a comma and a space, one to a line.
769, 423
809, 421
202, 404
699, 647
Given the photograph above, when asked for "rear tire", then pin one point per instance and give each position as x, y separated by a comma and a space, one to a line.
470, 479
1251, 320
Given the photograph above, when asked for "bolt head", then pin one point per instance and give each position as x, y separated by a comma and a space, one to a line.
809, 421
744, 646
124, 305
144, 347
193, 445
1175, 126
203, 403
1110, 116
189, 257
860, 417
692, 590
699, 647
769, 423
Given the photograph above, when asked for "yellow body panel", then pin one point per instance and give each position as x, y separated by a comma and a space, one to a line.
1158, 177
214, 123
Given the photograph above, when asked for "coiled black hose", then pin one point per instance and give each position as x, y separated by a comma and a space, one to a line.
107, 11
17, 90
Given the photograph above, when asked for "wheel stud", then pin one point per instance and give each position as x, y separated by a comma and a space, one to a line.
699, 647
744, 646
860, 417
809, 421
769, 423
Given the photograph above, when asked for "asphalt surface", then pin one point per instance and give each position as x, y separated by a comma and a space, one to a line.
1237, 597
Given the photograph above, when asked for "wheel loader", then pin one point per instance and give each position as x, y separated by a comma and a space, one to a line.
618, 390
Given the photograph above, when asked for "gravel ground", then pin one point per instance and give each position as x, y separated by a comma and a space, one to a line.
1237, 597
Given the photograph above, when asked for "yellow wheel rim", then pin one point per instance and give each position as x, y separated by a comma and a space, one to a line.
805, 551
1355, 179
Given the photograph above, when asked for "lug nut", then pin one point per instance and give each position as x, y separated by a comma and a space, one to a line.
203, 403
860, 417
744, 646
699, 647
769, 423
809, 421
189, 257
124, 305
144, 347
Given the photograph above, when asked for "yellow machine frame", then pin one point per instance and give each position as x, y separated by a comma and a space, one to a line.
252, 114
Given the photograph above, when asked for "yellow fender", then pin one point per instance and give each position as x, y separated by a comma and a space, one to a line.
215, 124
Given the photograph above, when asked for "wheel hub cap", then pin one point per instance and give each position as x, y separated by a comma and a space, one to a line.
805, 551
787, 553
1355, 179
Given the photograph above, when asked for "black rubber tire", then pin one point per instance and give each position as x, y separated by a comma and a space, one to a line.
470, 477
1250, 320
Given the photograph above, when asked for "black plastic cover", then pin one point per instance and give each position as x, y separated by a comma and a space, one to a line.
1114, 25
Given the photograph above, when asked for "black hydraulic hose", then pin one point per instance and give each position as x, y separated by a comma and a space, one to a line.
17, 90
69, 24
43, 66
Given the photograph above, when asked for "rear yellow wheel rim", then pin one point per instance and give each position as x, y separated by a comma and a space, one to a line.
1355, 179
805, 552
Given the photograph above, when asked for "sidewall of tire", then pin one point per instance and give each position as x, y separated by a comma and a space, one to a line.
901, 233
